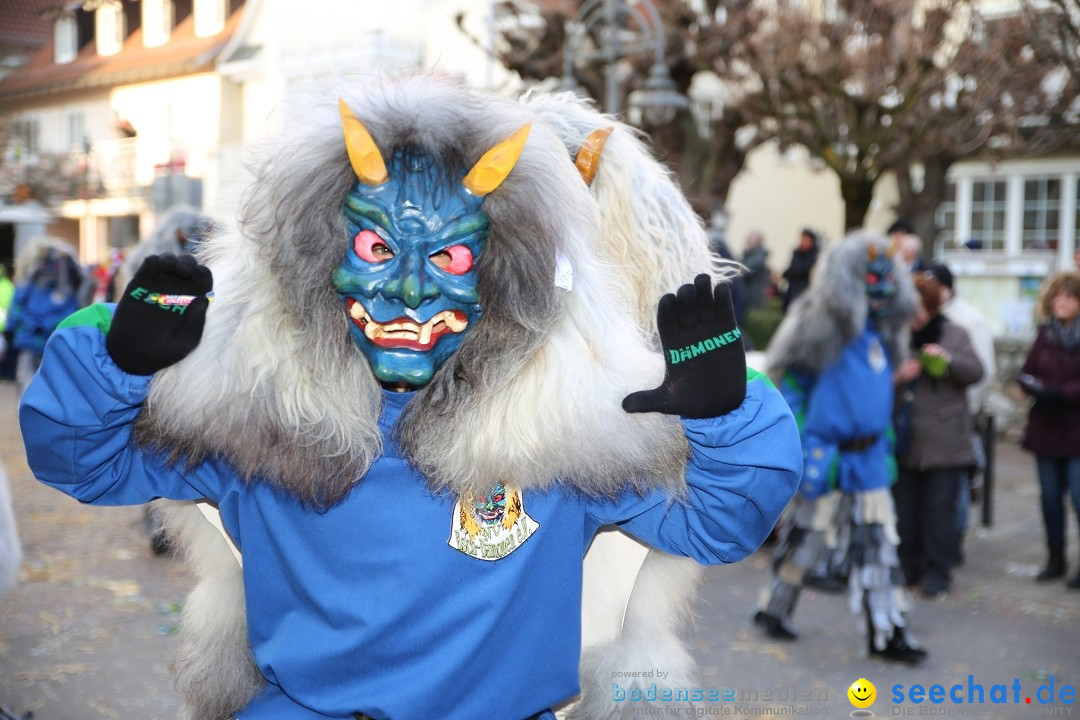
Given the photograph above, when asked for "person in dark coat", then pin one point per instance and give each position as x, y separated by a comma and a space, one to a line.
802, 262
718, 246
933, 446
1051, 375
754, 258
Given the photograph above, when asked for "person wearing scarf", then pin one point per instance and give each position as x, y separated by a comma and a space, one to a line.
1051, 375
934, 457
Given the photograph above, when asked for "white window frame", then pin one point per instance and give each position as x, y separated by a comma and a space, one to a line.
1042, 205
996, 203
158, 17
209, 17
109, 28
76, 129
1015, 174
28, 133
65, 39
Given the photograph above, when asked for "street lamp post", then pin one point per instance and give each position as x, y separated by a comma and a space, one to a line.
624, 28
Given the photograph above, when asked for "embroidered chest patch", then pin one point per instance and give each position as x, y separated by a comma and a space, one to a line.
878, 361
493, 526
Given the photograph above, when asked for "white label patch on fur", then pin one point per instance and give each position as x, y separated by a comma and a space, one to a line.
491, 527
564, 272
877, 358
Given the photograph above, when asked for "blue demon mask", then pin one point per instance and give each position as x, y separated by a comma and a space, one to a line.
880, 283
416, 229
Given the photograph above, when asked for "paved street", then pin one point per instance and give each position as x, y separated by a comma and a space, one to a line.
89, 632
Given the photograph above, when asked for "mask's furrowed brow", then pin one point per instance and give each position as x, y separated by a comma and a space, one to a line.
357, 208
463, 227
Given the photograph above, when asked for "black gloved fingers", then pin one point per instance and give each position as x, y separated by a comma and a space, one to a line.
194, 317
644, 401
706, 313
201, 277
151, 265
185, 266
166, 263
666, 310
687, 305
723, 306
168, 273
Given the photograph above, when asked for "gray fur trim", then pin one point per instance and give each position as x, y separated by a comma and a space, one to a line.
162, 239
533, 394
833, 310
658, 614
215, 670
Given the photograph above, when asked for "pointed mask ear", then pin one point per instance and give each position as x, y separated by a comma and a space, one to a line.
364, 156
588, 157
491, 169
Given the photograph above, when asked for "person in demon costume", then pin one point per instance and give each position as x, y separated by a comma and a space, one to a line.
417, 396
833, 358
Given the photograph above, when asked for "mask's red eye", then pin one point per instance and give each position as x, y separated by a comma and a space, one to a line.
456, 260
497, 498
371, 248
871, 279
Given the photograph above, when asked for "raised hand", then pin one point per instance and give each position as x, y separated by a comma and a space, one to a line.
705, 361
160, 318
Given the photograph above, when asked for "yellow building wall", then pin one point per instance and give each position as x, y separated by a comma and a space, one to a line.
781, 193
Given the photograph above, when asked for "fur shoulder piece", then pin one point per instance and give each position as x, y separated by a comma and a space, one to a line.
533, 395
834, 309
651, 236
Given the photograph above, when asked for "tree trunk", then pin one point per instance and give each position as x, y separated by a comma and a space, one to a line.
857, 192
920, 206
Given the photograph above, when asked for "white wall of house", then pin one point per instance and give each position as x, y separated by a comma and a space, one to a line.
179, 115
63, 123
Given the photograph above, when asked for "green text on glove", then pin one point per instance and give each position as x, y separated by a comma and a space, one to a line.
700, 348
174, 303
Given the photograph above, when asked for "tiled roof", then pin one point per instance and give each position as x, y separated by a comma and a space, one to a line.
185, 53
24, 24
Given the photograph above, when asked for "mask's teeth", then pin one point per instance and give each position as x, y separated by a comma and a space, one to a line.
372, 330
425, 332
357, 311
452, 322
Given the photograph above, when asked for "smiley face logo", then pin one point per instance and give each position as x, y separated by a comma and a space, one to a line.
862, 693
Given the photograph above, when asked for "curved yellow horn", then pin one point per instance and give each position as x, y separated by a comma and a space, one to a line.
588, 157
894, 247
367, 161
871, 252
491, 169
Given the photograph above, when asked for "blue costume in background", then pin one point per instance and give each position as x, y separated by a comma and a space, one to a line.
842, 521
49, 294
375, 576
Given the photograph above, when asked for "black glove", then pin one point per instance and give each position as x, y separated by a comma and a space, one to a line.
1049, 400
706, 364
150, 332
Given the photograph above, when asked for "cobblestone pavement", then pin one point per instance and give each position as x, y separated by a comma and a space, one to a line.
89, 632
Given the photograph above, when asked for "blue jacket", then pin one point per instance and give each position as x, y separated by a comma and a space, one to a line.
367, 607
850, 400
35, 312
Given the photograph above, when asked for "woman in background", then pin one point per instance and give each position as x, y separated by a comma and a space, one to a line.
1051, 375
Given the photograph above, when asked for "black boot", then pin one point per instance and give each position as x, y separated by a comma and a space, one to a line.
1074, 584
1055, 564
774, 627
898, 649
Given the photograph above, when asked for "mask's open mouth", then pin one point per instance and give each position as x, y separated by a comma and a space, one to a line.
405, 333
